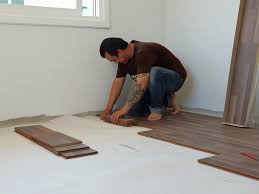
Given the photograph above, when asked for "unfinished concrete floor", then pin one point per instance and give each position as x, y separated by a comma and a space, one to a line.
127, 163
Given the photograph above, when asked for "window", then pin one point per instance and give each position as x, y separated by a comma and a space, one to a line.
43, 3
88, 13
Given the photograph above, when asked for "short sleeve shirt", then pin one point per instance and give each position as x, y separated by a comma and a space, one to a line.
147, 55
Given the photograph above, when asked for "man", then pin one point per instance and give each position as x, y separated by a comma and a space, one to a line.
157, 72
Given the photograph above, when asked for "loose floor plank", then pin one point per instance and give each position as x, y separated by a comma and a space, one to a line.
122, 121
78, 153
71, 148
48, 137
56, 142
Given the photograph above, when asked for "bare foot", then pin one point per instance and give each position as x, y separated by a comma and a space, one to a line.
154, 116
176, 109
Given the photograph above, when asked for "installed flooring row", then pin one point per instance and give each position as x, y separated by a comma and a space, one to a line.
208, 134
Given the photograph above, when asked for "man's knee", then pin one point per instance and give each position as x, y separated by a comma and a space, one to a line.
154, 75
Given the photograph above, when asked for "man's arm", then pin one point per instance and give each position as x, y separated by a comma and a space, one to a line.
115, 93
138, 91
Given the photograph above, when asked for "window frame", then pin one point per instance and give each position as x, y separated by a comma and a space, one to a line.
33, 15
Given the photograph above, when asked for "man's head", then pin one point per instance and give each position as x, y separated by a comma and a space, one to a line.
115, 50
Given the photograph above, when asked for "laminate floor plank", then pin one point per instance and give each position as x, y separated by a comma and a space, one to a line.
58, 143
79, 153
48, 137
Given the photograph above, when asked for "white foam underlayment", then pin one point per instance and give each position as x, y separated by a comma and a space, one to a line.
127, 163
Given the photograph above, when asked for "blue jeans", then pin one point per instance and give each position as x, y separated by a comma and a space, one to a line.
163, 83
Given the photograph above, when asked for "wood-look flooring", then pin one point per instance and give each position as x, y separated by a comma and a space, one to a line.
243, 68
58, 143
207, 133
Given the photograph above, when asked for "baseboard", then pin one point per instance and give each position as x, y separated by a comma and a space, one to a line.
184, 109
45, 118
26, 120
203, 112
89, 113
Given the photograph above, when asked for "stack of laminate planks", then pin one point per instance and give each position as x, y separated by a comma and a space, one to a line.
58, 143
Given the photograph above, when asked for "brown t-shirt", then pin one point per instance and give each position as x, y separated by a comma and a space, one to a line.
145, 56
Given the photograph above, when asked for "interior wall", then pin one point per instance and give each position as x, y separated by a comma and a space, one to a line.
58, 70
201, 33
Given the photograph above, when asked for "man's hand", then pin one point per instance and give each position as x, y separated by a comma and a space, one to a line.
105, 113
118, 114
114, 94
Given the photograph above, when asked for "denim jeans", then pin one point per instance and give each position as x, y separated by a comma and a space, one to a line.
163, 83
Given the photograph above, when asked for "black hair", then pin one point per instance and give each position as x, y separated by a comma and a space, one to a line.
111, 46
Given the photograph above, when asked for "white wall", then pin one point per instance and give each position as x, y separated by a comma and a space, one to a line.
58, 70
201, 34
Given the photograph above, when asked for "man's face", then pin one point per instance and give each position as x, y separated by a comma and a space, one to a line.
121, 58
